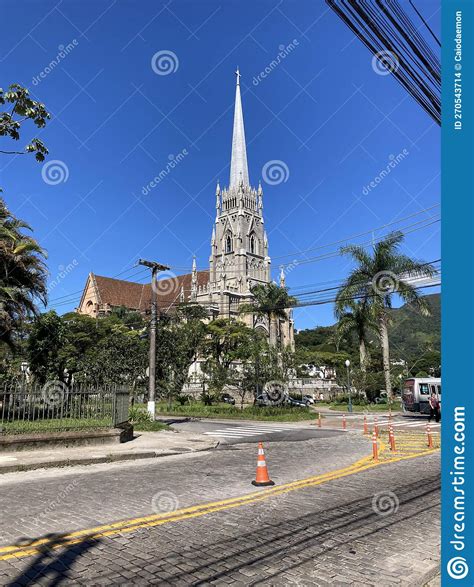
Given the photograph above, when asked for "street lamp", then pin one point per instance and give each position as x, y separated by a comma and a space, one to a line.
348, 364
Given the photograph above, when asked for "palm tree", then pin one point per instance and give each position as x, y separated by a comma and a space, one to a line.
356, 317
377, 276
22, 274
271, 301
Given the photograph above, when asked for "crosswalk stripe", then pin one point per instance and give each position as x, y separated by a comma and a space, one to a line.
223, 435
237, 432
250, 428
243, 432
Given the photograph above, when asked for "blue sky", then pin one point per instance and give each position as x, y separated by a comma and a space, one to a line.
322, 111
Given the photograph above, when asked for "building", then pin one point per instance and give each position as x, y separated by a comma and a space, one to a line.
239, 256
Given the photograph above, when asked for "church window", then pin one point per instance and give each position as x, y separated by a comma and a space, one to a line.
253, 244
228, 244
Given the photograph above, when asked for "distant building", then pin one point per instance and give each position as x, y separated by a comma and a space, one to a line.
238, 261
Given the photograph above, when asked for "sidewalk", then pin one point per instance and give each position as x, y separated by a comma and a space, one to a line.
145, 445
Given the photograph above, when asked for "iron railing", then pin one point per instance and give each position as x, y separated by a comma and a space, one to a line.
55, 406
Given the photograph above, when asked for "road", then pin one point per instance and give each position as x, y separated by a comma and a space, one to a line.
400, 422
232, 432
195, 519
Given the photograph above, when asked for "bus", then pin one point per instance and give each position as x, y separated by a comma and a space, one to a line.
416, 394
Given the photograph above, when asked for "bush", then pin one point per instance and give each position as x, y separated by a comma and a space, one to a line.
138, 415
356, 400
182, 399
200, 410
141, 420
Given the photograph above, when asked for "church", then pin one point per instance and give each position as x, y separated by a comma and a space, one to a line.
238, 261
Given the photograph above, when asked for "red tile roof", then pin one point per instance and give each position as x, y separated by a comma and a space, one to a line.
137, 296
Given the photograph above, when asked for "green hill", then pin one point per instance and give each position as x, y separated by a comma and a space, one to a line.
414, 338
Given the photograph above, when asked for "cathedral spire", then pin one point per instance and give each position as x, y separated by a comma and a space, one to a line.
238, 165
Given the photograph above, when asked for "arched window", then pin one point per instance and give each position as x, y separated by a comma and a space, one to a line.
228, 244
253, 244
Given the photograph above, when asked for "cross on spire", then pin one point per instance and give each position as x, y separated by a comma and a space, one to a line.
238, 165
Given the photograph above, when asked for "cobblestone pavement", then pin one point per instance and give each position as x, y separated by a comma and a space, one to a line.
379, 526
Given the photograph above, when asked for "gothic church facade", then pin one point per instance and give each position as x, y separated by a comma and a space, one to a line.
238, 261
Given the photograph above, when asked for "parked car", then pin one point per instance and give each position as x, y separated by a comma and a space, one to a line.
296, 403
227, 399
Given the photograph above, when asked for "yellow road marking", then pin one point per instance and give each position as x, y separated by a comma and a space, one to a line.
126, 526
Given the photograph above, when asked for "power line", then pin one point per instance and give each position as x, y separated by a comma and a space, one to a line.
354, 236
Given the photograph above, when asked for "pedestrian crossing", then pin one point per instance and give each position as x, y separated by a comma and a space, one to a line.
246, 431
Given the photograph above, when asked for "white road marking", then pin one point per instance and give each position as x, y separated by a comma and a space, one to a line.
244, 431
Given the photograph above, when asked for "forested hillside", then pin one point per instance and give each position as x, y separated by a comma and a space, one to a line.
414, 338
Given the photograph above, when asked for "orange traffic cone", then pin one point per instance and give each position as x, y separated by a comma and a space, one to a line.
391, 437
344, 426
319, 420
430, 438
375, 448
376, 427
262, 477
366, 429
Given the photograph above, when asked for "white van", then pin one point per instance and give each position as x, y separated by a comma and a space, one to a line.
417, 391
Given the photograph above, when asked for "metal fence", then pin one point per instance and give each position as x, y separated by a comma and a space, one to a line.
55, 406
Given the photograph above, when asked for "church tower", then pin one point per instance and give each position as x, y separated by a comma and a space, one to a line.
239, 246
239, 256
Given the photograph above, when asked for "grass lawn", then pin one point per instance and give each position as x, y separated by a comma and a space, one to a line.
221, 410
149, 426
53, 425
360, 408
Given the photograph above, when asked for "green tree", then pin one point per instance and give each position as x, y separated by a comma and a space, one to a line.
21, 109
22, 274
226, 345
376, 278
76, 347
271, 302
180, 339
356, 317
45, 342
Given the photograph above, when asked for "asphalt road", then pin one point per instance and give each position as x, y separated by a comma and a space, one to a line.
232, 432
196, 519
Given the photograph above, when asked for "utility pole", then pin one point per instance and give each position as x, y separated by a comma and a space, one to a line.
155, 267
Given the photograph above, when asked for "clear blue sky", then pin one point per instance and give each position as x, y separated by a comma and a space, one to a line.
323, 111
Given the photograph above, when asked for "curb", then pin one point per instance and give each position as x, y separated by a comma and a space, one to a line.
430, 575
111, 458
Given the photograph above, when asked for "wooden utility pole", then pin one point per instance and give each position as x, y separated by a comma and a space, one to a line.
155, 267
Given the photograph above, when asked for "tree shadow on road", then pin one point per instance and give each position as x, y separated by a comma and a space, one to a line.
307, 538
54, 560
